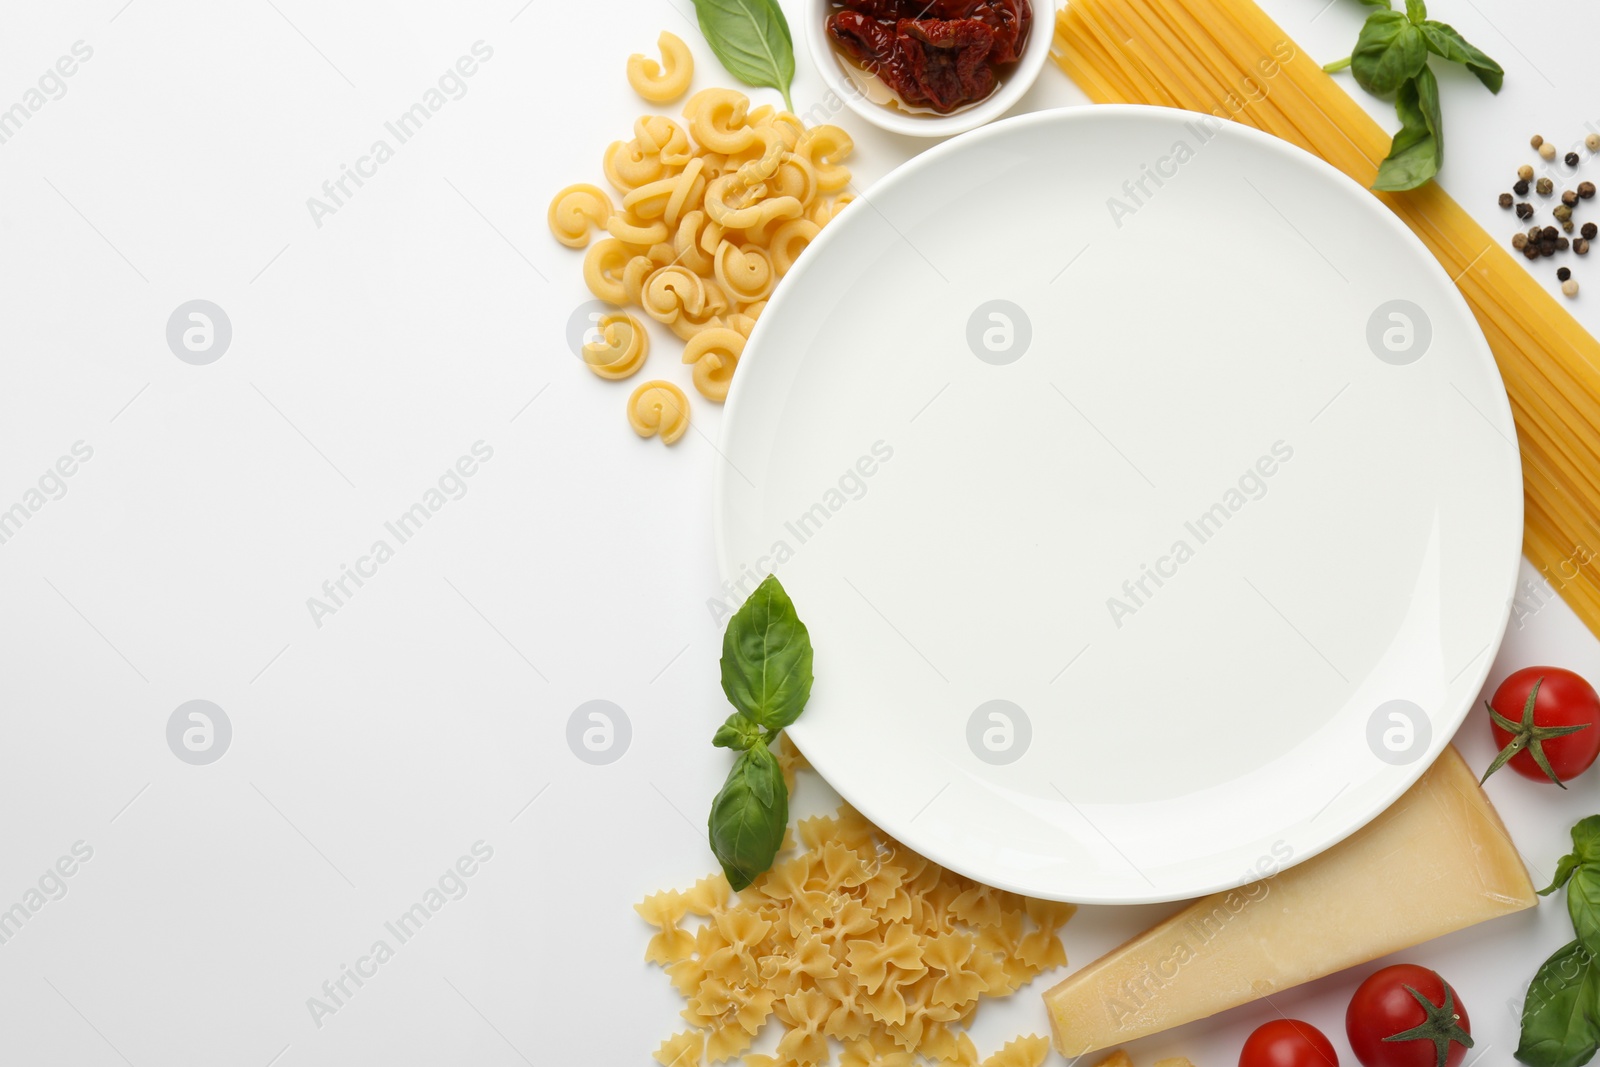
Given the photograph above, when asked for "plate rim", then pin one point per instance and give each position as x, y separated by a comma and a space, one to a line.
1503, 421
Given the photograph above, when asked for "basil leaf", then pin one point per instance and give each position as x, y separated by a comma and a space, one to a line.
1443, 41
1586, 839
751, 38
766, 658
1389, 51
1561, 1016
1564, 868
1583, 904
1418, 148
749, 816
1385, 4
737, 733
1416, 10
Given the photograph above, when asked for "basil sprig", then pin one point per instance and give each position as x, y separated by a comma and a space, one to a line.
751, 38
1561, 1015
766, 674
1391, 56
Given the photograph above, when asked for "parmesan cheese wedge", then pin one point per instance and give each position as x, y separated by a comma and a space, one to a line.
1436, 861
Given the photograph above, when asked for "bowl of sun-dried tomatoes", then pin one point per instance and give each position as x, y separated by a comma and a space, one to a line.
930, 68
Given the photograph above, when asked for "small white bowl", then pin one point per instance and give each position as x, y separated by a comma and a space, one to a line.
1016, 81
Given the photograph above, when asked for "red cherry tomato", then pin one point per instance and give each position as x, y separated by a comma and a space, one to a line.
1385, 1006
1287, 1043
1564, 700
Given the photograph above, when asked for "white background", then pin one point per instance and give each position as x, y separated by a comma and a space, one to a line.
430, 711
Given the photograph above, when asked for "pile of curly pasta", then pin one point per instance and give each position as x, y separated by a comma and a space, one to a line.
852, 939
710, 219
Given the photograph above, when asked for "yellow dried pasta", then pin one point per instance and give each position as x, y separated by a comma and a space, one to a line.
659, 409
852, 942
667, 80
714, 212
620, 348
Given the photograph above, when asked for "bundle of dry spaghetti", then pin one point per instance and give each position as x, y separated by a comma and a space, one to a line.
1227, 58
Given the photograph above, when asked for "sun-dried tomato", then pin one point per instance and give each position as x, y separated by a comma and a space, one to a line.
934, 53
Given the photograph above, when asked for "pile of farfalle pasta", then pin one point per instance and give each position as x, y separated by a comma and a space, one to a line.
711, 217
852, 941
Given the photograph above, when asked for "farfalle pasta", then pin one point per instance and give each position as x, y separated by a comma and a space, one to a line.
707, 218
863, 952
667, 80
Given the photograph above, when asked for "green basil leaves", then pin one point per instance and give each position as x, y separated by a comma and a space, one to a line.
1561, 1015
1391, 56
751, 38
766, 674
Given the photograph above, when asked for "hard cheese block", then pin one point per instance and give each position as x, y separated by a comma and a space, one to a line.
1438, 860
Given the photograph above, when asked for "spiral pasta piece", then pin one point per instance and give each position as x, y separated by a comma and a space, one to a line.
739, 209
668, 198
635, 231
671, 292
603, 268
620, 348
659, 136
715, 354
764, 165
627, 166
790, 240
659, 409
717, 120
824, 147
667, 80
745, 274
577, 208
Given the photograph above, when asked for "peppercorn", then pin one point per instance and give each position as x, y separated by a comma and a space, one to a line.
1571, 159
1547, 151
1569, 287
1531, 251
1562, 213
1569, 198
1506, 200
1581, 247
1548, 234
1535, 233
1563, 273
1525, 172
1524, 211
1592, 142
1520, 188
1537, 141
1590, 230
1519, 241
1544, 186
1585, 190
1562, 244
1566, 227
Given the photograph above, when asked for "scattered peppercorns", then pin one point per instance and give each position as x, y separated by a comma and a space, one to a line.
1525, 172
1570, 159
1585, 190
1547, 151
1524, 211
1570, 287
1563, 273
1544, 186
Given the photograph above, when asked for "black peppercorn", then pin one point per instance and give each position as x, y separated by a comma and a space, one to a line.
1548, 233
1531, 251
1563, 274
1569, 198
1590, 230
1562, 244
1585, 190
1521, 187
1524, 211
1571, 159
1506, 200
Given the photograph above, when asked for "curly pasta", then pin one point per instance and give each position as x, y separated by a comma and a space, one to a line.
668, 80
853, 940
620, 349
713, 213
659, 409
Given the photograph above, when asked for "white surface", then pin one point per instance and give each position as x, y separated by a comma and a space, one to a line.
407, 727
1061, 489
1015, 80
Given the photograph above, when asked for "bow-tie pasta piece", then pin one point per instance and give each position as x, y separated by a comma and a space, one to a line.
1027, 1051
659, 409
619, 348
575, 210
665, 81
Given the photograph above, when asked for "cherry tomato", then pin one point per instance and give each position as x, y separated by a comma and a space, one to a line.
1387, 1004
1287, 1043
1565, 700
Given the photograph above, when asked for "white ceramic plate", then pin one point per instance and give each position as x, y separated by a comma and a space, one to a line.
1151, 535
